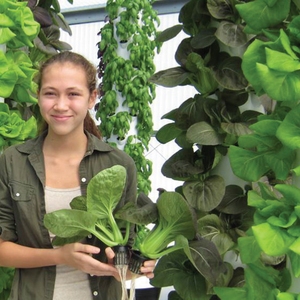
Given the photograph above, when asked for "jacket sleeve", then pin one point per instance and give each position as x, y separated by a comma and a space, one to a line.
7, 221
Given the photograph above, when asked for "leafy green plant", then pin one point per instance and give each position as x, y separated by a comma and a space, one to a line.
237, 55
126, 52
174, 218
93, 213
13, 129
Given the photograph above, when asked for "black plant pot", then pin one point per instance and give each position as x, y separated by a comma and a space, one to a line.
122, 255
136, 261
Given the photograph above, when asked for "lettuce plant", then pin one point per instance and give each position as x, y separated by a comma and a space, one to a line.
13, 129
93, 213
174, 219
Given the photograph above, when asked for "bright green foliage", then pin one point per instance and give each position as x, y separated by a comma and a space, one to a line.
261, 152
13, 129
17, 26
276, 222
104, 192
174, 219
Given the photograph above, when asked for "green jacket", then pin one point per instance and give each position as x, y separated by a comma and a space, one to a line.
22, 209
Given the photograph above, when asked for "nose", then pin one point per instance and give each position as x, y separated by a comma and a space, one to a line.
61, 103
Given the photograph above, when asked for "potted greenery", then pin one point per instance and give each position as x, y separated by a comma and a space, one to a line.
98, 213
232, 57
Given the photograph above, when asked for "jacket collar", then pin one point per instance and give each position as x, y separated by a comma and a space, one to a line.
36, 144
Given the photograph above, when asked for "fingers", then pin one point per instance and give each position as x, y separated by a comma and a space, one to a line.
148, 268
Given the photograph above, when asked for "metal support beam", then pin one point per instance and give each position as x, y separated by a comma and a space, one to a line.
97, 13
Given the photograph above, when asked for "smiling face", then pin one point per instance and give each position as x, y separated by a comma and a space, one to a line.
64, 98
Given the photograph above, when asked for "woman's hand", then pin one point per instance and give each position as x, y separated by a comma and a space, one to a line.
80, 257
148, 268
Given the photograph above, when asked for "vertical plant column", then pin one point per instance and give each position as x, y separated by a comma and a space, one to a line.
2, 49
126, 53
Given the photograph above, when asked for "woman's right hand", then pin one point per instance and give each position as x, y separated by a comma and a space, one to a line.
79, 256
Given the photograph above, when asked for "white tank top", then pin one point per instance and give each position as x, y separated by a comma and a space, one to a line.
70, 283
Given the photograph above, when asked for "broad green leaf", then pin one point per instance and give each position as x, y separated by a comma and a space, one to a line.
261, 281
231, 34
255, 200
246, 164
181, 165
289, 130
220, 9
170, 77
167, 133
266, 127
229, 74
205, 195
273, 241
225, 293
259, 15
281, 62
79, 203
102, 200
285, 220
6, 35
295, 246
234, 200
175, 270
290, 192
249, 249
279, 85
212, 228
169, 33
204, 134
5, 21
206, 259
204, 38
67, 223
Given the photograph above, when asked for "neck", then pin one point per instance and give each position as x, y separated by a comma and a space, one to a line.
65, 145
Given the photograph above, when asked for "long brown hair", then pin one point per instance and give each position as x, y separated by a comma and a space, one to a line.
91, 75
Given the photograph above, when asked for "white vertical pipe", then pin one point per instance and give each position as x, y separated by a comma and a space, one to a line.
3, 49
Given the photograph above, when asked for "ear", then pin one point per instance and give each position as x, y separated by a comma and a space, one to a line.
92, 99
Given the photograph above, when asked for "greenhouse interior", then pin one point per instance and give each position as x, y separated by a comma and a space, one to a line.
190, 189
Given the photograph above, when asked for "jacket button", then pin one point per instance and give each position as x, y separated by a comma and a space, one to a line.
95, 293
83, 179
89, 236
18, 194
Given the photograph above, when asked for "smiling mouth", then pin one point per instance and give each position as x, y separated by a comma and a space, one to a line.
61, 118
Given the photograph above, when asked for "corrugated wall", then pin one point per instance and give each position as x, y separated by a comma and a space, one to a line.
84, 40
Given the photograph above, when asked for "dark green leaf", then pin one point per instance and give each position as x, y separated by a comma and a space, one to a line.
167, 133
169, 33
231, 34
204, 134
205, 195
170, 77
204, 38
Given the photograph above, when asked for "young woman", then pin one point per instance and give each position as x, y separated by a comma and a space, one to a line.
45, 174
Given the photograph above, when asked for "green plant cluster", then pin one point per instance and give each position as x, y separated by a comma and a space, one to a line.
13, 129
236, 53
126, 53
18, 29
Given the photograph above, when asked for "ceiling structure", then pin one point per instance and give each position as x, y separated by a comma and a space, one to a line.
94, 10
